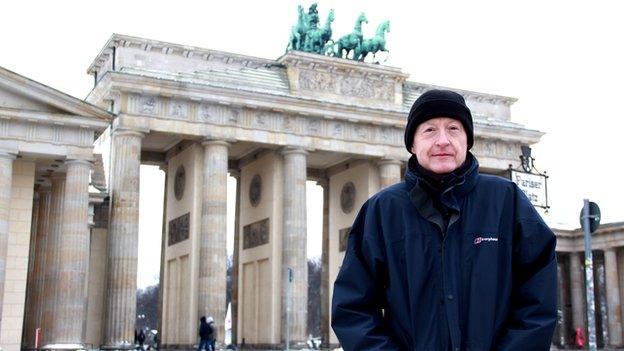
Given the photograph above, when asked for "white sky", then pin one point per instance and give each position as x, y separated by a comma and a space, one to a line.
563, 60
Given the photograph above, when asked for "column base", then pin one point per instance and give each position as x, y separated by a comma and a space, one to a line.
299, 345
120, 346
64, 347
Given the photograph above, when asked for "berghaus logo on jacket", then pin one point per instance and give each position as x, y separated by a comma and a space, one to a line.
481, 239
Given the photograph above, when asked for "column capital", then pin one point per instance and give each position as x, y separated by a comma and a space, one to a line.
7, 155
57, 176
129, 132
44, 189
235, 173
78, 160
389, 161
323, 183
290, 150
210, 142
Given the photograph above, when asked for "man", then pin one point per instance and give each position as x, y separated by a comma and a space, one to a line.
141, 339
206, 334
448, 259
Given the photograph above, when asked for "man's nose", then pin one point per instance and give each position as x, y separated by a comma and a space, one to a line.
443, 138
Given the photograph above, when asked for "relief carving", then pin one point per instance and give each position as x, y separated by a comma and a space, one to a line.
179, 229
347, 197
148, 105
177, 109
343, 239
312, 80
361, 131
255, 190
208, 113
256, 234
353, 86
314, 126
287, 124
490, 148
179, 183
337, 130
384, 134
232, 115
368, 89
260, 121
510, 150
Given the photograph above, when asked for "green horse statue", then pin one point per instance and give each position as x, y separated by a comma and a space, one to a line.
353, 40
373, 45
317, 38
298, 31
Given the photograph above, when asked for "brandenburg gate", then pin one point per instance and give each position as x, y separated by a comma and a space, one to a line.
69, 234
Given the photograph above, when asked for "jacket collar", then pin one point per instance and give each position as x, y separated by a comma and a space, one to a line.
459, 183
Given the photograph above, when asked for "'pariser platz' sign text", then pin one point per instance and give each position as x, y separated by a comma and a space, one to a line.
533, 186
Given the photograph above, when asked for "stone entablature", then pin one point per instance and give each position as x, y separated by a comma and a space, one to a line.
301, 100
127, 51
482, 106
337, 79
46, 121
609, 235
147, 104
295, 73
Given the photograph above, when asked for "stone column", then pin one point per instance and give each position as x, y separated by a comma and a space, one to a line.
123, 237
613, 297
71, 301
36, 290
561, 302
294, 246
6, 183
212, 250
325, 265
29, 329
577, 287
53, 253
163, 246
389, 172
235, 258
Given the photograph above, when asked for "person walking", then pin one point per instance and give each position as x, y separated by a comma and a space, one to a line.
205, 334
141, 339
449, 259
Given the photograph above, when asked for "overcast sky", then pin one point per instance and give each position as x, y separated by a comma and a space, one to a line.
563, 60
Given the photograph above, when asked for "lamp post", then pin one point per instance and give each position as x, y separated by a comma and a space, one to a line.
526, 159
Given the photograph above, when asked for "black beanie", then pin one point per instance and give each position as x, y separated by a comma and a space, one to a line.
438, 103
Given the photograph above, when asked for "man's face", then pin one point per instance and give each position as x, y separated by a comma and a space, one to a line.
440, 145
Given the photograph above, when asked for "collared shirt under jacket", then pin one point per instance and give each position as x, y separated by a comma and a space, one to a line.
483, 277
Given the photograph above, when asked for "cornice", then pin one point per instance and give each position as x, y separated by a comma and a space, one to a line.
186, 51
467, 94
340, 65
53, 97
55, 119
306, 106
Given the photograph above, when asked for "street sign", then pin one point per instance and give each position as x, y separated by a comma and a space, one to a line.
532, 185
594, 217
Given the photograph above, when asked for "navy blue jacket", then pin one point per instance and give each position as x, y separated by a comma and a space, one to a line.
483, 279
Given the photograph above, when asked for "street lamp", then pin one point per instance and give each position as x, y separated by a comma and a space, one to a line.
526, 159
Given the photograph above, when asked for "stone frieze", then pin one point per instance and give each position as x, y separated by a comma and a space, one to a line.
360, 87
258, 119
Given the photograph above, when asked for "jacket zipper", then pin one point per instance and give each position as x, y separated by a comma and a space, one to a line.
444, 234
